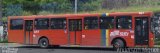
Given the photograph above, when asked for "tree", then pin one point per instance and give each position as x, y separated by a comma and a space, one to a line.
0, 8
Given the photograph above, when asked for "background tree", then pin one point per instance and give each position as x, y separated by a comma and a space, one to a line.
0, 8
115, 4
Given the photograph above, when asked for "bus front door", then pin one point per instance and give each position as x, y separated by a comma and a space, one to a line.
28, 31
75, 31
141, 31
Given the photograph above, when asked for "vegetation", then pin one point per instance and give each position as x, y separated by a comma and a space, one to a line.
128, 9
35, 7
4, 41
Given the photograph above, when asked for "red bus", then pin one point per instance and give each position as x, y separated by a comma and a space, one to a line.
118, 29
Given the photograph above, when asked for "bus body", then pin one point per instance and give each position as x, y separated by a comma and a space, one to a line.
119, 29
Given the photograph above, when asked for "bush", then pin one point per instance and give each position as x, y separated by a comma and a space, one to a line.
26, 13
13, 10
4, 19
44, 13
57, 7
157, 42
90, 5
4, 41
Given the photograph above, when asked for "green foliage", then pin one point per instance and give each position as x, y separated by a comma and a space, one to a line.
157, 42
26, 13
51, 6
4, 19
34, 7
44, 13
4, 41
13, 10
90, 6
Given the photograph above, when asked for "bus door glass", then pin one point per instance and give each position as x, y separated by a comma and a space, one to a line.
141, 31
75, 31
28, 31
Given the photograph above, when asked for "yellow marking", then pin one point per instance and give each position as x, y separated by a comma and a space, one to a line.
107, 14
107, 38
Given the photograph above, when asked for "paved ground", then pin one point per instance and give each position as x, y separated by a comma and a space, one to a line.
17, 48
65, 50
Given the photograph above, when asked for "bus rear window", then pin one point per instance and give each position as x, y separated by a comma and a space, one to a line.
16, 24
42, 23
123, 22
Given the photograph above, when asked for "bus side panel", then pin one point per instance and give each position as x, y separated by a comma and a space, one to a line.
151, 40
91, 37
58, 37
16, 36
55, 37
39, 33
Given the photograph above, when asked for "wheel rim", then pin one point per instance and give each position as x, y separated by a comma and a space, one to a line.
43, 43
118, 44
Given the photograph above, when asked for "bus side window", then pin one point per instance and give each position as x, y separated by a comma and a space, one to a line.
106, 22
16, 24
42, 23
58, 23
123, 22
90, 22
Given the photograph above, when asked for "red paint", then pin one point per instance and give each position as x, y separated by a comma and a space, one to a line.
92, 37
75, 37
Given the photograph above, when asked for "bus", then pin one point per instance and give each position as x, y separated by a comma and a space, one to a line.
116, 29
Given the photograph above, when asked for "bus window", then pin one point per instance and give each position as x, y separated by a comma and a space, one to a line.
123, 22
75, 25
42, 23
16, 24
106, 22
58, 23
90, 23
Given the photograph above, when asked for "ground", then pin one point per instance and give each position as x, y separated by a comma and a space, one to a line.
18, 48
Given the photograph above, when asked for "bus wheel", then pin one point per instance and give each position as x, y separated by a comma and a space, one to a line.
43, 43
118, 43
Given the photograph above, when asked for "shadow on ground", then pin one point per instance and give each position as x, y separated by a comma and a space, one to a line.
72, 48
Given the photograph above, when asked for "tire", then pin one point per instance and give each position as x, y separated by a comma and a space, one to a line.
43, 43
118, 43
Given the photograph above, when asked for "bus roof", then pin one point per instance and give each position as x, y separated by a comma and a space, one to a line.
86, 14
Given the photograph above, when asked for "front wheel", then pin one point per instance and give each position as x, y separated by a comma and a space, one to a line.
43, 43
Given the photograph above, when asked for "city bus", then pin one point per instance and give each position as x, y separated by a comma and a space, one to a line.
116, 29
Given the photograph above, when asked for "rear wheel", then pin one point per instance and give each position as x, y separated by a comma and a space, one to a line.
118, 43
43, 43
